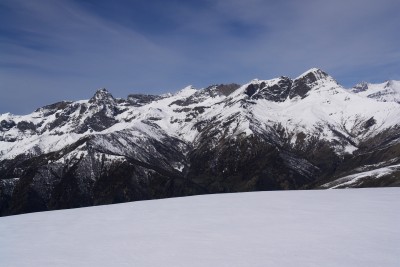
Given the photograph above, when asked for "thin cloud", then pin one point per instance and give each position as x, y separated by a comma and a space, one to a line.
54, 50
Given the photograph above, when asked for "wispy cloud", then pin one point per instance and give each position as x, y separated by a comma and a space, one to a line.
53, 50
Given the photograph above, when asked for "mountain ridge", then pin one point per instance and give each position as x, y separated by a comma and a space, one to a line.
272, 134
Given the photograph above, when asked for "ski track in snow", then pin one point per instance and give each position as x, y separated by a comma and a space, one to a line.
354, 227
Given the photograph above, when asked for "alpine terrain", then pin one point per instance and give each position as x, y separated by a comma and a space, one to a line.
284, 133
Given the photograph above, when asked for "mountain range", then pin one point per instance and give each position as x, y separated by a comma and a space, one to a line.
303, 133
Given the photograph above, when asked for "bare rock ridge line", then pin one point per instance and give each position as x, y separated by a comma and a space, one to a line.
283, 133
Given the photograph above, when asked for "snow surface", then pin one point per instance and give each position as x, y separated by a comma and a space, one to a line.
355, 227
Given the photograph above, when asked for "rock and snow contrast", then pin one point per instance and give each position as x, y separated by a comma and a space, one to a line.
333, 228
283, 133
386, 92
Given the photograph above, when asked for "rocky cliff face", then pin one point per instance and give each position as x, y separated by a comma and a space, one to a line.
307, 132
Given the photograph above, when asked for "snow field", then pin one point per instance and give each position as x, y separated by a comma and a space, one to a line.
355, 227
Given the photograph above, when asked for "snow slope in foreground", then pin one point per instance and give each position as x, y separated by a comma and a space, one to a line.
355, 227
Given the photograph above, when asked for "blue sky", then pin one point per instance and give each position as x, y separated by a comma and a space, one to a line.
66, 49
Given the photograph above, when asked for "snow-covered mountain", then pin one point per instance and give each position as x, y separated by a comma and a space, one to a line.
388, 91
281, 133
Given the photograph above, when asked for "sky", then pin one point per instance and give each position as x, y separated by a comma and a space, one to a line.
67, 49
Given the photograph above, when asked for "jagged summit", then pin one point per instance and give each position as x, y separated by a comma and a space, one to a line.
139, 100
275, 90
313, 72
102, 96
360, 87
312, 79
272, 134
388, 91
393, 84
282, 88
313, 76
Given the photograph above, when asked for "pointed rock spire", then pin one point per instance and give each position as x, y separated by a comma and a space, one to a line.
102, 96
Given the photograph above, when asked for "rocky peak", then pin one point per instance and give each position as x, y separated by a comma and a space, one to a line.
101, 112
388, 91
360, 87
53, 108
313, 74
275, 90
102, 96
212, 91
138, 100
306, 81
227, 89
393, 84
